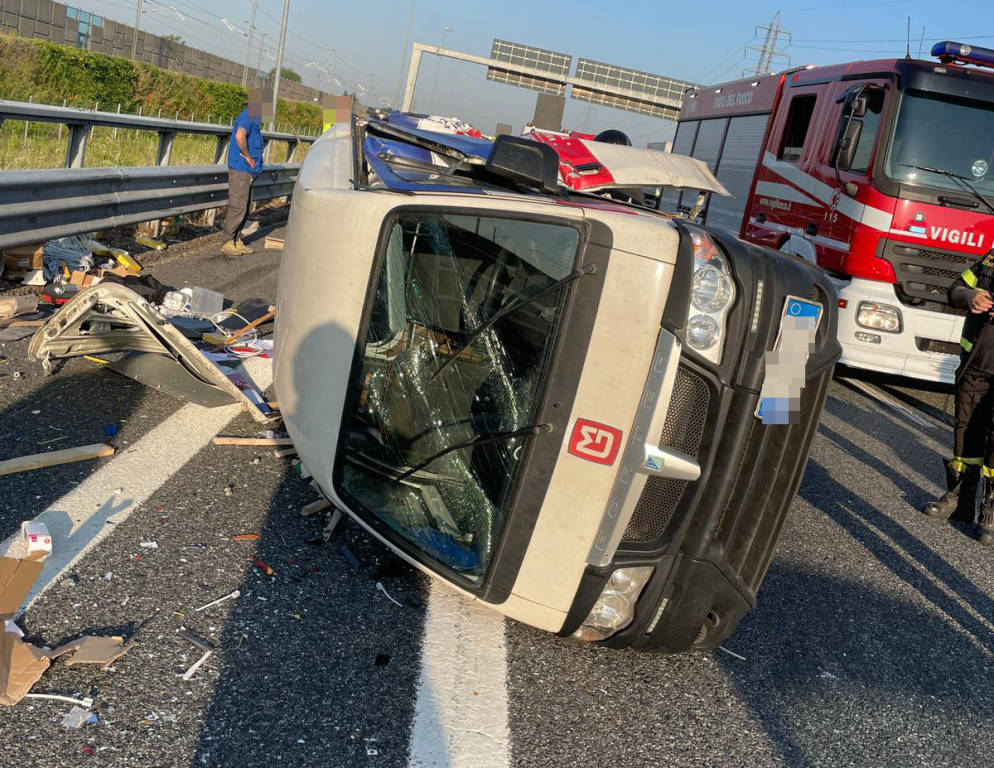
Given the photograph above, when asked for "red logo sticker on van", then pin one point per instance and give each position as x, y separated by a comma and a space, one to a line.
595, 442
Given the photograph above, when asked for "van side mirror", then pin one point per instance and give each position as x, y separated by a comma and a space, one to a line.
525, 162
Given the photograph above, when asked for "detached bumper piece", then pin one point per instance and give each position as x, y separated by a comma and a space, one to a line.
109, 319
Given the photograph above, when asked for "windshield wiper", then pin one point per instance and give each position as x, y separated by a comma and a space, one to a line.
961, 180
508, 309
534, 429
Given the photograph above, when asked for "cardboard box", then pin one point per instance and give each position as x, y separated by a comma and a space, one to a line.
16, 580
23, 257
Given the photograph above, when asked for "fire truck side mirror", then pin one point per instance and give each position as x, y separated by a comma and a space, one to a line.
847, 144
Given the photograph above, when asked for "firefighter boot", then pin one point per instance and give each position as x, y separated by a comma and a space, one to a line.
949, 501
986, 536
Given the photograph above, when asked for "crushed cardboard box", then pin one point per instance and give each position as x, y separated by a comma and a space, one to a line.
22, 664
23, 257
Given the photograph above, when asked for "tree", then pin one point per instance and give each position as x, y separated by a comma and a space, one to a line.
175, 39
287, 74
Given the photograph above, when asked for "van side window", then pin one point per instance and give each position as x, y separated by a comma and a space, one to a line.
796, 129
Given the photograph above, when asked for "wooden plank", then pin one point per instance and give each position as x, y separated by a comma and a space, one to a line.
50, 459
285, 452
237, 334
252, 441
314, 507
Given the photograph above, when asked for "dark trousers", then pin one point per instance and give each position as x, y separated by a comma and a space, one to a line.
973, 433
239, 197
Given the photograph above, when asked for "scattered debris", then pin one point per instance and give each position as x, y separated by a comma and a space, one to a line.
85, 703
246, 537
212, 603
229, 490
314, 507
731, 653
200, 643
36, 538
347, 554
333, 520
50, 459
274, 243
23, 664
226, 440
12, 306
282, 454
149, 545
150, 242
266, 569
79, 716
381, 588
254, 324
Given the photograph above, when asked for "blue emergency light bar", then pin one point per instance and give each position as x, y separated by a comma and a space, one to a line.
949, 52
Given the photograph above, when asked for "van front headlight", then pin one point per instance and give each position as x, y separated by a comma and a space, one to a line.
712, 294
615, 608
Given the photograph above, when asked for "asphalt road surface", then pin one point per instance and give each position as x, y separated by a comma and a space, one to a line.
871, 645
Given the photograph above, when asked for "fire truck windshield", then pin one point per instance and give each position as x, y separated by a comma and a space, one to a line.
954, 136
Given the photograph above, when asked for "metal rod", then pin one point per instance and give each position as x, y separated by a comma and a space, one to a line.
279, 61
138, 24
248, 45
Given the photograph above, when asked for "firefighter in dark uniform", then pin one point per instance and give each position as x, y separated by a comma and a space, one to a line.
973, 437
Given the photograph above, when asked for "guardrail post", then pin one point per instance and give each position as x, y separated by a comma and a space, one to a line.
291, 148
163, 153
221, 149
76, 152
164, 150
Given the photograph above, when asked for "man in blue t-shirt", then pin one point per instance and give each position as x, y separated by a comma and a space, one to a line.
244, 167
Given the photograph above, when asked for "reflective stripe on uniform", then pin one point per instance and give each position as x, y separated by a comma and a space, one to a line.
959, 463
969, 278
966, 344
987, 471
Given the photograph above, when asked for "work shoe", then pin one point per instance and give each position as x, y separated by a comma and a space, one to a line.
242, 248
959, 503
230, 248
986, 533
949, 501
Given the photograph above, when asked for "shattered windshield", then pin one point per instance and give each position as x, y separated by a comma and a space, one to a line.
947, 134
430, 449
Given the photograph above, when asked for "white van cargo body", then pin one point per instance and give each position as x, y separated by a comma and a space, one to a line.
546, 399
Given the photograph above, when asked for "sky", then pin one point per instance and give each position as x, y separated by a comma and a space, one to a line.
362, 44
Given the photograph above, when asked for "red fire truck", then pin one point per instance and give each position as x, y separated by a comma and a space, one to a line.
879, 171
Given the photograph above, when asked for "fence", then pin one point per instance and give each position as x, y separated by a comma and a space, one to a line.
38, 205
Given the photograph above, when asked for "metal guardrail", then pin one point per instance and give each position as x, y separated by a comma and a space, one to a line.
39, 205
82, 121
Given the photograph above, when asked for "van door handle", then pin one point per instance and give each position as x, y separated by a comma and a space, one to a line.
811, 229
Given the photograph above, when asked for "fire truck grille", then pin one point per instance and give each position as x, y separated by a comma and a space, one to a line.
925, 274
683, 430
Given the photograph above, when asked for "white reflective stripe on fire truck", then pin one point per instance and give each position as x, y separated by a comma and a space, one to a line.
783, 192
828, 242
864, 214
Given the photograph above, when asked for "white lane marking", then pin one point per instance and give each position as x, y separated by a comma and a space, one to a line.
460, 714
90, 512
890, 402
